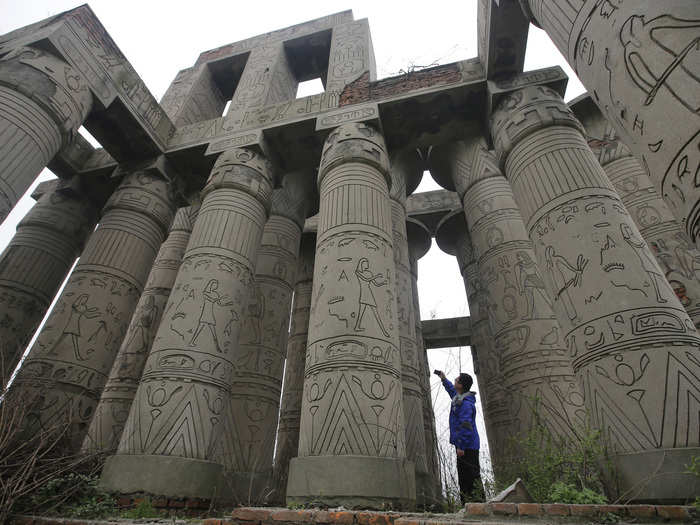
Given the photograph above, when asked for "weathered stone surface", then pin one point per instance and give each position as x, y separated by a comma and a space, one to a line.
352, 416
36, 262
258, 359
640, 62
43, 102
630, 339
118, 394
419, 241
290, 411
179, 413
678, 258
406, 168
62, 378
536, 369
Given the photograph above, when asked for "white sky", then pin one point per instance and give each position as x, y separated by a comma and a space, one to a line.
161, 37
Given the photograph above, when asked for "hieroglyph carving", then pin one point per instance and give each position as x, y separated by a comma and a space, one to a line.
640, 62
67, 367
631, 341
118, 394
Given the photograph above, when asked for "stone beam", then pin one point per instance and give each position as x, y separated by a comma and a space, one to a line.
447, 333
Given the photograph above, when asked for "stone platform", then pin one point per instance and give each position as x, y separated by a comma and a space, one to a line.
491, 513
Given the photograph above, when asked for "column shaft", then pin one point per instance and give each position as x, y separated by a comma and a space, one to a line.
290, 411
36, 262
118, 394
68, 365
43, 101
630, 339
641, 63
171, 443
352, 417
678, 258
259, 360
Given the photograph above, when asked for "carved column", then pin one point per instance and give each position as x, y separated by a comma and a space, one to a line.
534, 362
290, 411
419, 241
678, 258
453, 238
43, 102
630, 339
67, 367
118, 394
36, 262
170, 445
406, 171
259, 357
351, 416
640, 61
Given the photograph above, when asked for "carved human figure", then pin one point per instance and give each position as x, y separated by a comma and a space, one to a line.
615, 309
530, 284
207, 317
367, 280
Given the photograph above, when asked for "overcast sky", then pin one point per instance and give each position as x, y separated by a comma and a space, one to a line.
161, 37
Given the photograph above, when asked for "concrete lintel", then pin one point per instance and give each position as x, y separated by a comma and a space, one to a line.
447, 333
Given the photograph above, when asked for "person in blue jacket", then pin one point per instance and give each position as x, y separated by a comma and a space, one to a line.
464, 435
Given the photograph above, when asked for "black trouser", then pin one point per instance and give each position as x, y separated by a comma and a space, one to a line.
469, 475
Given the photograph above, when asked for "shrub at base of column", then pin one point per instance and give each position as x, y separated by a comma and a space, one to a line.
352, 444
171, 443
631, 341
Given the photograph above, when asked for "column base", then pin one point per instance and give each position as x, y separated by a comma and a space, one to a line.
424, 496
354, 482
170, 476
250, 488
657, 476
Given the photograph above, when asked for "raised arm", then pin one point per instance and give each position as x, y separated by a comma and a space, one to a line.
449, 387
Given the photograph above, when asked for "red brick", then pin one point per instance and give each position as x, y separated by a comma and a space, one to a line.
584, 510
213, 521
22, 520
641, 511
556, 509
620, 510
508, 509
251, 514
411, 521
673, 512
375, 518
529, 509
478, 509
159, 502
124, 501
342, 518
295, 516
176, 504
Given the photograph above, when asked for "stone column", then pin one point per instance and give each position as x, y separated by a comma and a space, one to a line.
536, 369
419, 241
678, 258
259, 357
67, 367
453, 238
631, 341
406, 170
43, 102
352, 416
36, 262
290, 411
118, 394
170, 445
641, 63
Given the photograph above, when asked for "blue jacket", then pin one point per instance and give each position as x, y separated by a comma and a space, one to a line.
463, 432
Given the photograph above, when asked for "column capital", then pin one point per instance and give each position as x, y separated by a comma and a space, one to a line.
406, 170
522, 112
295, 199
242, 169
419, 238
452, 236
46, 79
458, 165
354, 142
